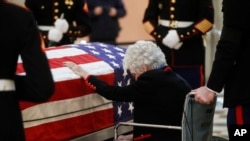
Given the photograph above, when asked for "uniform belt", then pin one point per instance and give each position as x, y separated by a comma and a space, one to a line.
45, 27
7, 85
175, 23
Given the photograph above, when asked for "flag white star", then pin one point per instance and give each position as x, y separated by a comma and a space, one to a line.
106, 50
119, 83
128, 82
119, 49
115, 64
111, 56
131, 107
103, 45
95, 52
90, 46
119, 112
121, 54
125, 74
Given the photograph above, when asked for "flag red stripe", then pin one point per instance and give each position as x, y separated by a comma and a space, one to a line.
69, 127
70, 89
58, 62
78, 59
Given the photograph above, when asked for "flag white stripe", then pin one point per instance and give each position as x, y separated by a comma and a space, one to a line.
39, 122
60, 53
95, 68
51, 110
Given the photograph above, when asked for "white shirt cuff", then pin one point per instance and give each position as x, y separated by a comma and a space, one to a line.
212, 91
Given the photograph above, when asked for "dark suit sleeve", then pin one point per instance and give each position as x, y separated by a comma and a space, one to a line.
140, 90
115, 93
37, 84
228, 52
83, 25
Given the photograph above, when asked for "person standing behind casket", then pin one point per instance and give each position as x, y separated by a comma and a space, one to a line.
178, 26
60, 21
104, 16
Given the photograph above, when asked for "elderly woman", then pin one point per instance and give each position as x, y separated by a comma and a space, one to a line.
158, 92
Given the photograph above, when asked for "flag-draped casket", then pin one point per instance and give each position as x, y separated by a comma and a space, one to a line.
74, 109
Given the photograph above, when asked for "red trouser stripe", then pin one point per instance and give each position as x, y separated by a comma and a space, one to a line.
239, 115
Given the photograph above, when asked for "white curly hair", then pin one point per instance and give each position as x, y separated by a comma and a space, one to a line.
143, 53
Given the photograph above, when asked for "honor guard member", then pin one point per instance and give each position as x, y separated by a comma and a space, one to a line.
35, 84
178, 26
60, 21
230, 71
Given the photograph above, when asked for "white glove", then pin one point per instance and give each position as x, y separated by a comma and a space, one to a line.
62, 24
171, 39
55, 35
178, 46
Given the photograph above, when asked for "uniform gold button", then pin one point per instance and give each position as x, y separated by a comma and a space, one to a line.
188, 33
172, 8
56, 4
42, 7
160, 6
55, 17
172, 16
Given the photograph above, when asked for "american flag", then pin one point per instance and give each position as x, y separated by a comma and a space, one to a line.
75, 109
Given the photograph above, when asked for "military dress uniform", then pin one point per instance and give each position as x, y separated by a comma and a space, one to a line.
46, 12
230, 71
36, 84
190, 19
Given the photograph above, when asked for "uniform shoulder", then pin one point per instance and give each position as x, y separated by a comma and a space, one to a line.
13, 11
12, 7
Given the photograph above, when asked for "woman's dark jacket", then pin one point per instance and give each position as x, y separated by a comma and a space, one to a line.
158, 98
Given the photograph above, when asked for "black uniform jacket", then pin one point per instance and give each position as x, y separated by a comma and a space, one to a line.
230, 68
105, 27
19, 37
22, 38
158, 98
47, 11
200, 12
